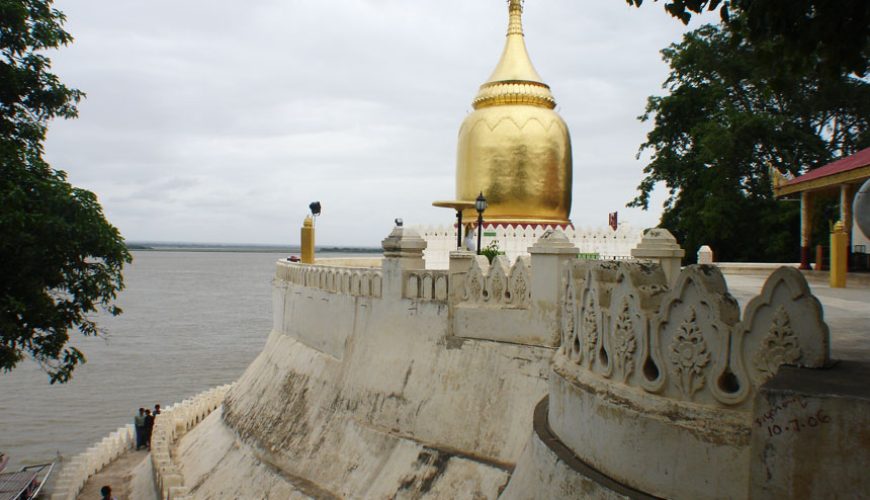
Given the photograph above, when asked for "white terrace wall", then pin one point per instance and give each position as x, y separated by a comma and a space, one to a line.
392, 381
515, 303
366, 389
599, 242
657, 390
173, 423
486, 301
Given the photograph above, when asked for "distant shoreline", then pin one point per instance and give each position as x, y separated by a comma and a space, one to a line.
219, 247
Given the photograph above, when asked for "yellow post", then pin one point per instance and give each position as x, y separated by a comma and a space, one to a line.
308, 241
839, 254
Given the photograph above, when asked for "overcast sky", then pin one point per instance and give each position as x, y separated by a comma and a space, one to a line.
219, 121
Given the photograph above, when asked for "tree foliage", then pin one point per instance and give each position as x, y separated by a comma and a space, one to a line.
728, 116
835, 35
60, 260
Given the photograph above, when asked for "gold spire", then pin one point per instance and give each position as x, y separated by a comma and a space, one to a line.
514, 80
514, 148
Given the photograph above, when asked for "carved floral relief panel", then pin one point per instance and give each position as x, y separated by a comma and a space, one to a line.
497, 281
782, 325
519, 292
687, 343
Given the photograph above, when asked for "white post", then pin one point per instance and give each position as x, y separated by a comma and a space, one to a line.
659, 245
548, 256
705, 255
403, 250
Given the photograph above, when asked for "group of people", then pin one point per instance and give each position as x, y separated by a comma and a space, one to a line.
144, 423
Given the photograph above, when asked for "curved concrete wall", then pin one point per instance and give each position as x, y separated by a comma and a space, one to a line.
358, 395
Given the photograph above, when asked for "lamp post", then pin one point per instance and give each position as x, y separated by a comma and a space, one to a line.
458, 228
480, 206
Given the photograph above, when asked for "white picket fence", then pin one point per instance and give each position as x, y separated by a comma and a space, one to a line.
599, 242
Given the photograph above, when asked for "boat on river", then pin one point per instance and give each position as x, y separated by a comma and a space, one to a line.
24, 484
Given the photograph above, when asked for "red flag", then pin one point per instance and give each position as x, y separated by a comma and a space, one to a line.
612, 219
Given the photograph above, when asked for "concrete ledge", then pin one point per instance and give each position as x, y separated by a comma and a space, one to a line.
655, 444
549, 469
752, 267
764, 268
355, 262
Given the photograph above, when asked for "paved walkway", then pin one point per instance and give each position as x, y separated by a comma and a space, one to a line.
846, 311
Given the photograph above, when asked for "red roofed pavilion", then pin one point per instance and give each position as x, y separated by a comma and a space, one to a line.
843, 176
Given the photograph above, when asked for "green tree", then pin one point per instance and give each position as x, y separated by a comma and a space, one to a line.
835, 35
60, 260
729, 114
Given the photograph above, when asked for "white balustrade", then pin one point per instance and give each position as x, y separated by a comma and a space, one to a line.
75, 473
362, 282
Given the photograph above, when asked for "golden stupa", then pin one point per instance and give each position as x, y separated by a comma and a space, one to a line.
513, 147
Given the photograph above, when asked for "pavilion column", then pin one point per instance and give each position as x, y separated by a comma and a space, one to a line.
846, 197
846, 216
806, 228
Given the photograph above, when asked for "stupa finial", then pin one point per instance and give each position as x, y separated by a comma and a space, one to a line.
514, 79
515, 10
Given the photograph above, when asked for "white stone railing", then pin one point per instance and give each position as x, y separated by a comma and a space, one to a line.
173, 423
356, 281
498, 284
622, 323
601, 242
425, 285
75, 473
679, 370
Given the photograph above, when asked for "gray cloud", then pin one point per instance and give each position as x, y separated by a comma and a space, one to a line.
220, 121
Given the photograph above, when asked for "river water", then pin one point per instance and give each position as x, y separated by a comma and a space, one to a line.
191, 321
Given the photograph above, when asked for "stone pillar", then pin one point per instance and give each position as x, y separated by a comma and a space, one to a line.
548, 255
846, 216
806, 228
846, 205
307, 241
839, 255
403, 250
659, 245
705, 255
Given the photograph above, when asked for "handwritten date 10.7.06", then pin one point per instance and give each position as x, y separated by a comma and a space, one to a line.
800, 424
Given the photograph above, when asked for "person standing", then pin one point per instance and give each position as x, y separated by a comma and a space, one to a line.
139, 423
149, 427
469, 237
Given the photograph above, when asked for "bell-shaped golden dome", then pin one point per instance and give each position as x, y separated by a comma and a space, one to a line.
513, 147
